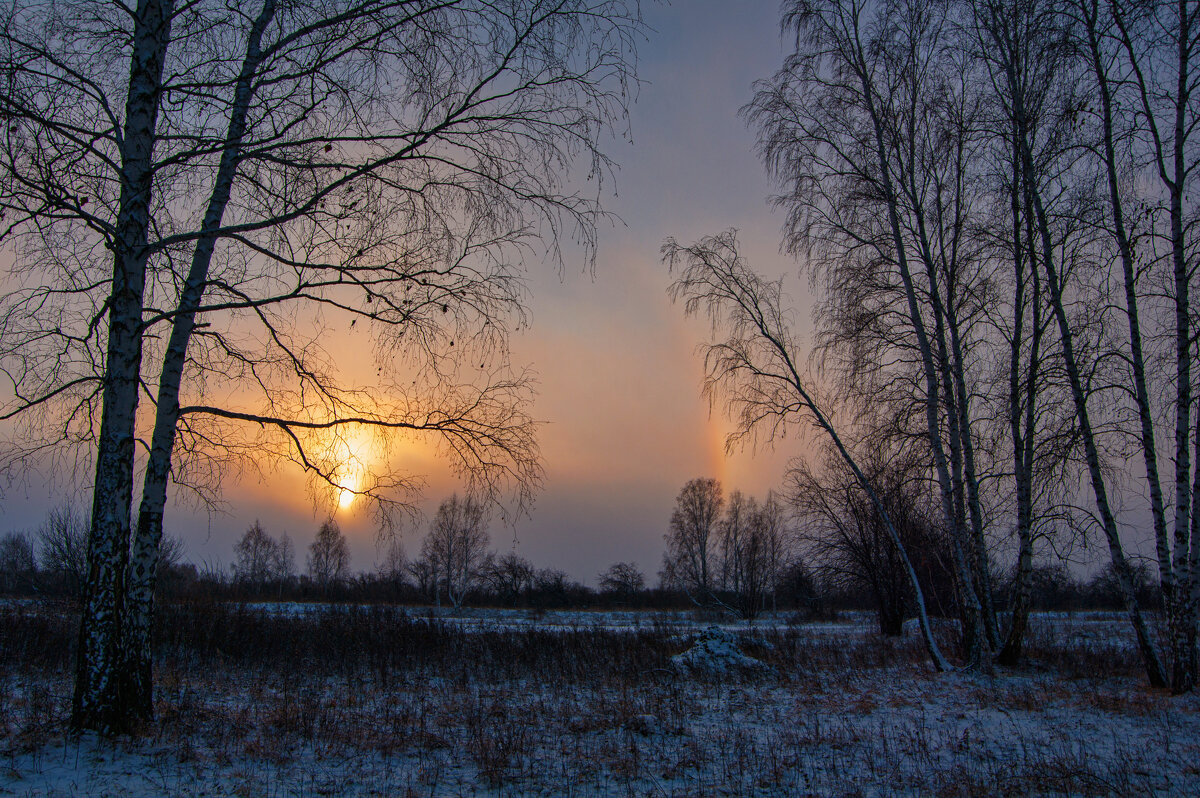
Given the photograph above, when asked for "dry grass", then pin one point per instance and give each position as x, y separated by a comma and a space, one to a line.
373, 701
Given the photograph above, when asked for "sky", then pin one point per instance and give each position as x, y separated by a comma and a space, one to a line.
619, 376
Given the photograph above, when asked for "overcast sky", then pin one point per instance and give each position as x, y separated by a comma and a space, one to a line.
618, 371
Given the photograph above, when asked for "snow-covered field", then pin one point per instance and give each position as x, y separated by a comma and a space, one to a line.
365, 702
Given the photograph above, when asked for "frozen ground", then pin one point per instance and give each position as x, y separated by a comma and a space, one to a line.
574, 710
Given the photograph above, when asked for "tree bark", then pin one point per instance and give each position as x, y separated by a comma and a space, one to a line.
1150, 659
100, 703
143, 564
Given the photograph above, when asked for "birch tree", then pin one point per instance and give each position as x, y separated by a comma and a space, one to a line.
867, 128
385, 163
752, 366
689, 562
1144, 70
328, 555
456, 548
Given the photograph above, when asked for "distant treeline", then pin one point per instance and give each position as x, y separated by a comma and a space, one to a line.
51, 561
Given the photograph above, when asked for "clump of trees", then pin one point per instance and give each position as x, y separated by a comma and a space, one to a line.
455, 553
262, 561
818, 578
52, 558
996, 201
328, 555
622, 579
729, 554
844, 537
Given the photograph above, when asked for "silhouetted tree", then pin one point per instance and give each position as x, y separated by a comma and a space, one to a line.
17, 563
752, 363
509, 577
385, 162
689, 560
328, 556
624, 579
456, 547
256, 557
62, 548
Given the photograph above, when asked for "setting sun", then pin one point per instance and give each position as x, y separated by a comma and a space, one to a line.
346, 497
352, 472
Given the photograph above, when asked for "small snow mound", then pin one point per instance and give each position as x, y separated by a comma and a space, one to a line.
715, 652
645, 725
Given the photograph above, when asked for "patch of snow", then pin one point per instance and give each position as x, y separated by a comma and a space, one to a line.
716, 652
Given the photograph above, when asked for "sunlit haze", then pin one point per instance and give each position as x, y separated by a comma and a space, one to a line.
619, 378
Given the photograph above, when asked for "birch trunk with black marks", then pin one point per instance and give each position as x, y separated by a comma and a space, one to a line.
143, 562
972, 610
1023, 395
100, 699
1150, 659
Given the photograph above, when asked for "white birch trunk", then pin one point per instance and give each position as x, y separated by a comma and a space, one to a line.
143, 564
99, 700
1150, 658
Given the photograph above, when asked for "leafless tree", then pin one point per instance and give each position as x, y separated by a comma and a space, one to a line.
17, 563
424, 577
869, 128
690, 557
256, 556
456, 547
624, 579
283, 561
1056, 69
844, 534
62, 547
752, 364
170, 551
509, 577
1028, 64
1143, 69
939, 167
379, 161
328, 555
394, 567
752, 548
260, 560
771, 551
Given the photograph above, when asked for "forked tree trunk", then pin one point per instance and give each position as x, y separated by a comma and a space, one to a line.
1176, 572
143, 564
100, 701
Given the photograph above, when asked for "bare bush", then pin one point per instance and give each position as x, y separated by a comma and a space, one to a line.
622, 578
17, 563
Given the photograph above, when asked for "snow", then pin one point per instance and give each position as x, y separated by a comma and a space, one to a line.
716, 652
833, 710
